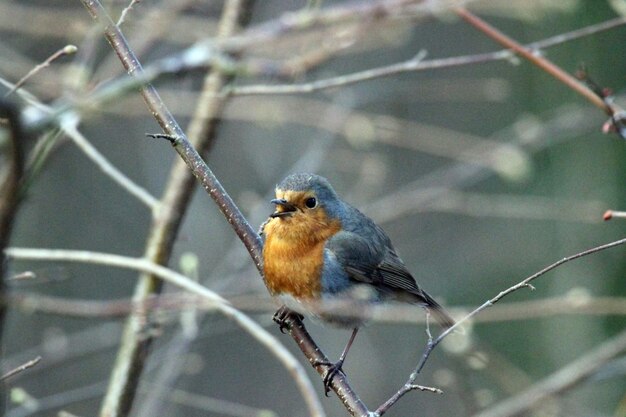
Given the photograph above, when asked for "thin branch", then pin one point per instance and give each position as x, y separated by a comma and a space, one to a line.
206, 177
21, 368
257, 332
526, 283
67, 50
68, 125
216, 405
324, 84
611, 214
308, 19
184, 148
127, 10
535, 58
562, 380
432, 343
418, 63
110, 170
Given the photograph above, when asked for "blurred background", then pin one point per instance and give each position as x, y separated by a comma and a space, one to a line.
482, 174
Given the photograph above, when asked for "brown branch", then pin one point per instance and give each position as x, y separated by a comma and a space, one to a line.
133, 349
183, 146
208, 180
10, 197
614, 111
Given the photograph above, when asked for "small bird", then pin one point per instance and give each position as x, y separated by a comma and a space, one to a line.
319, 248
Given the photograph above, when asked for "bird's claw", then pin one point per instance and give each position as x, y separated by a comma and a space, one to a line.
282, 316
333, 369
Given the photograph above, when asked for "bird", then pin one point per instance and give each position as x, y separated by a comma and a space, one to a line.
319, 248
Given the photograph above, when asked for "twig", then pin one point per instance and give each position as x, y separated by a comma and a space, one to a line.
181, 281
167, 122
68, 126
610, 214
324, 84
21, 368
523, 284
216, 405
128, 367
70, 129
564, 379
339, 14
200, 170
67, 50
126, 10
536, 59
418, 63
526, 283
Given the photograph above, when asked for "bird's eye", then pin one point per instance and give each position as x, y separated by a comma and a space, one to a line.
310, 202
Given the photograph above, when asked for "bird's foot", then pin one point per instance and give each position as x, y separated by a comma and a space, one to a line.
333, 368
282, 316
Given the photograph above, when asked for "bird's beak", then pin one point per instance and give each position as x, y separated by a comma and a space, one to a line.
283, 208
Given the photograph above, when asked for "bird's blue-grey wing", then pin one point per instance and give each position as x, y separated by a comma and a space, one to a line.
368, 261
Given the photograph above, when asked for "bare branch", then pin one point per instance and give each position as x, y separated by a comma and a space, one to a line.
526, 283
67, 50
419, 63
257, 332
21, 368
537, 59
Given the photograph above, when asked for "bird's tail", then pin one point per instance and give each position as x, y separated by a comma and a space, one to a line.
439, 313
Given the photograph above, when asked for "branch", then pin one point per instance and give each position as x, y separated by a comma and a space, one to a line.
208, 180
523, 284
129, 365
170, 126
67, 50
21, 368
418, 63
220, 304
616, 113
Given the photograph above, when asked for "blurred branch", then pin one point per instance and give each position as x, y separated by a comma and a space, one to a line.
217, 406
507, 206
202, 131
526, 283
68, 126
21, 368
67, 50
419, 63
127, 10
569, 304
208, 180
11, 177
560, 381
181, 281
108, 169
615, 112
129, 365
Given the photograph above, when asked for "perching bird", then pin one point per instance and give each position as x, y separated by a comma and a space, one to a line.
319, 248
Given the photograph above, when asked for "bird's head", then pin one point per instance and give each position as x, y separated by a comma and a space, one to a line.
305, 204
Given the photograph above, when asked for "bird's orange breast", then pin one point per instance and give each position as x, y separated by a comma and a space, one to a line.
293, 254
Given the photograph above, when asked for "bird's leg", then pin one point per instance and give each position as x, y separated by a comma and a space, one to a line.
335, 368
282, 316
